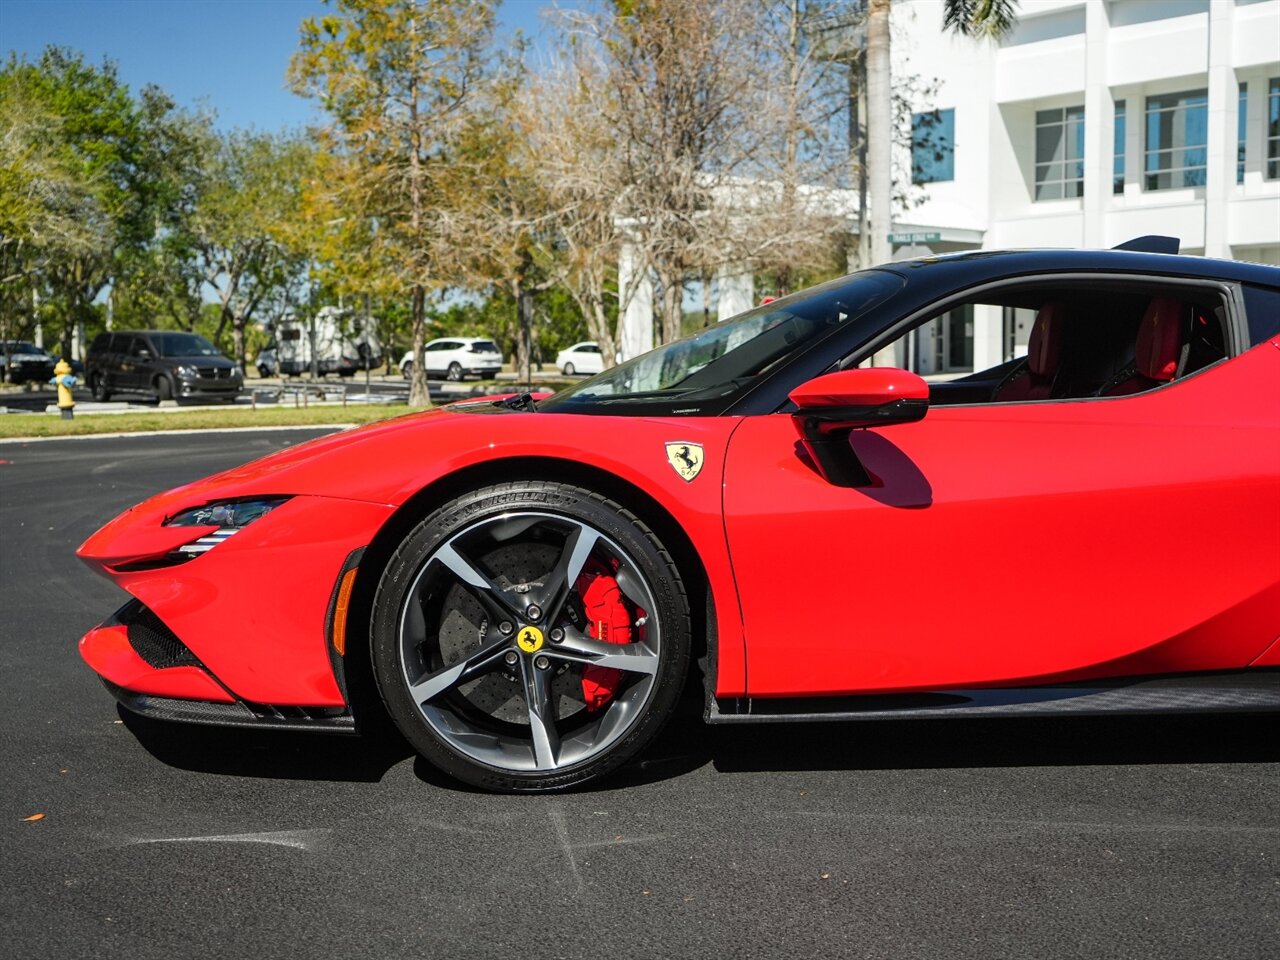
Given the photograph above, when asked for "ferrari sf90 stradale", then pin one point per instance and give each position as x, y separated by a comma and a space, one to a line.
1090, 526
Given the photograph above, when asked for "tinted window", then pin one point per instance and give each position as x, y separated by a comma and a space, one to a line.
100, 343
135, 346
183, 345
484, 346
1263, 306
933, 137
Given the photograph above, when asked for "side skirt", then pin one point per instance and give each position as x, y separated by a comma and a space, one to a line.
1245, 691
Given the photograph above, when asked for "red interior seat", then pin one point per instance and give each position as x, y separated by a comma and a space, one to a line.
1034, 379
1158, 353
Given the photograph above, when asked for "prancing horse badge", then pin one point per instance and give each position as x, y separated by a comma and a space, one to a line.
686, 458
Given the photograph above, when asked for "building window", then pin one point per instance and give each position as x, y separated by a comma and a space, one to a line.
1059, 153
1117, 163
1273, 131
1242, 126
933, 146
1177, 137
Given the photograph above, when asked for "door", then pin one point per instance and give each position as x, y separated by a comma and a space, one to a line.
132, 366
1016, 543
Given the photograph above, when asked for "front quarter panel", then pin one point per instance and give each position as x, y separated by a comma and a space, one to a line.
253, 608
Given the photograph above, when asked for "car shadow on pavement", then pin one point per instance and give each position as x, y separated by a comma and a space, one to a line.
687, 744
276, 754
1003, 742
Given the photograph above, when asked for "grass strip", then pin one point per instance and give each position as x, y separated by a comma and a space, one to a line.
52, 424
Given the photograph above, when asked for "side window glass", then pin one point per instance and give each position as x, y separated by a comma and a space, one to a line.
1063, 341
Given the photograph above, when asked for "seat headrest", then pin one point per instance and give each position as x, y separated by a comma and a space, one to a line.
1160, 339
1044, 348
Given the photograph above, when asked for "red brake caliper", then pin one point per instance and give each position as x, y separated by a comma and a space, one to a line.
610, 618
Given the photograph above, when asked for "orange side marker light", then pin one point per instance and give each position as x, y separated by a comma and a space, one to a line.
340, 611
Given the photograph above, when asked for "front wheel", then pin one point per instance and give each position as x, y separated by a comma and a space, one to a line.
164, 388
530, 636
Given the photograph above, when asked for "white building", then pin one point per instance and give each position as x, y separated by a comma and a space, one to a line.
1095, 122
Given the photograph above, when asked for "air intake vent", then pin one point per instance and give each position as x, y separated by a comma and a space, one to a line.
153, 641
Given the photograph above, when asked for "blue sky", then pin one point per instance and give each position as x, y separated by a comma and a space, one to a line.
230, 55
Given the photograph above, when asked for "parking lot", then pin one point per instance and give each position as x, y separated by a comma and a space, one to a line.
1121, 837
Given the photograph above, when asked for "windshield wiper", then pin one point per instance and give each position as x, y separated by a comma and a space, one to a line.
523, 402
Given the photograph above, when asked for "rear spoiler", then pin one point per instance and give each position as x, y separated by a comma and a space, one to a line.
1152, 243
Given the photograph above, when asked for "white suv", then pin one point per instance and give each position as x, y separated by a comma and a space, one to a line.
454, 358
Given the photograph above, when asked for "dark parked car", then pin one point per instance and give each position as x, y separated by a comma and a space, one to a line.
166, 364
22, 362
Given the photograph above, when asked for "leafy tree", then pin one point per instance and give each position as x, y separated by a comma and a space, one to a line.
92, 148
398, 78
249, 196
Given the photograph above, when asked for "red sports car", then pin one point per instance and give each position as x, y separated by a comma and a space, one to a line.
1092, 526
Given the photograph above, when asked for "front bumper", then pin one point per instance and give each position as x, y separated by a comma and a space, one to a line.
210, 387
245, 622
29, 372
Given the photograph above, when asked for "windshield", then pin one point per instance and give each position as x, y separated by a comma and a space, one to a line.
23, 347
183, 345
703, 372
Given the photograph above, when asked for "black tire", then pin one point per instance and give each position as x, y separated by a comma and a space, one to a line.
453, 619
454, 372
264, 372
569, 370
407, 370
98, 387
164, 388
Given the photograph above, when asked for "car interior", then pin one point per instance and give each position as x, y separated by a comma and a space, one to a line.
1104, 340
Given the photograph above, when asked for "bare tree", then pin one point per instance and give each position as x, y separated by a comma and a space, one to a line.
673, 78
573, 155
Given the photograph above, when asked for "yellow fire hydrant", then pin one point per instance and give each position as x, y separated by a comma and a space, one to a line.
65, 380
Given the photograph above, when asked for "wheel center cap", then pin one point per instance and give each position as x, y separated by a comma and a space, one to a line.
530, 639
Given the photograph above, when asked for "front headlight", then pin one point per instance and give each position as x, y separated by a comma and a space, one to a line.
187, 372
229, 516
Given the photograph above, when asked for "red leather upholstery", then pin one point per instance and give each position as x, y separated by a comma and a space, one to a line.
1044, 351
1157, 351
1160, 339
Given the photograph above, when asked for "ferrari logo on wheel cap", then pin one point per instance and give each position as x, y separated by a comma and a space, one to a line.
686, 458
529, 639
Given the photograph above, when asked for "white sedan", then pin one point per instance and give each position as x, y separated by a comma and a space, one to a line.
582, 357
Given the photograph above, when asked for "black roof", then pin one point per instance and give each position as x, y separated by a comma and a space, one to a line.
976, 265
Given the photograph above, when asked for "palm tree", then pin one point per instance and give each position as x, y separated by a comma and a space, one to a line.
989, 19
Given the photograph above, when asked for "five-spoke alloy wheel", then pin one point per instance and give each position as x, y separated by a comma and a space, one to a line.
530, 636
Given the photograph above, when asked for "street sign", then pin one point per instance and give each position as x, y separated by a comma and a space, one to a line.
905, 239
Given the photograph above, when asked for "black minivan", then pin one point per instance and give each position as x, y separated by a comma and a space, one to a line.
167, 364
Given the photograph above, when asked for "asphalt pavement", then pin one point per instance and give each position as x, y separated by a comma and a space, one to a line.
1074, 837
